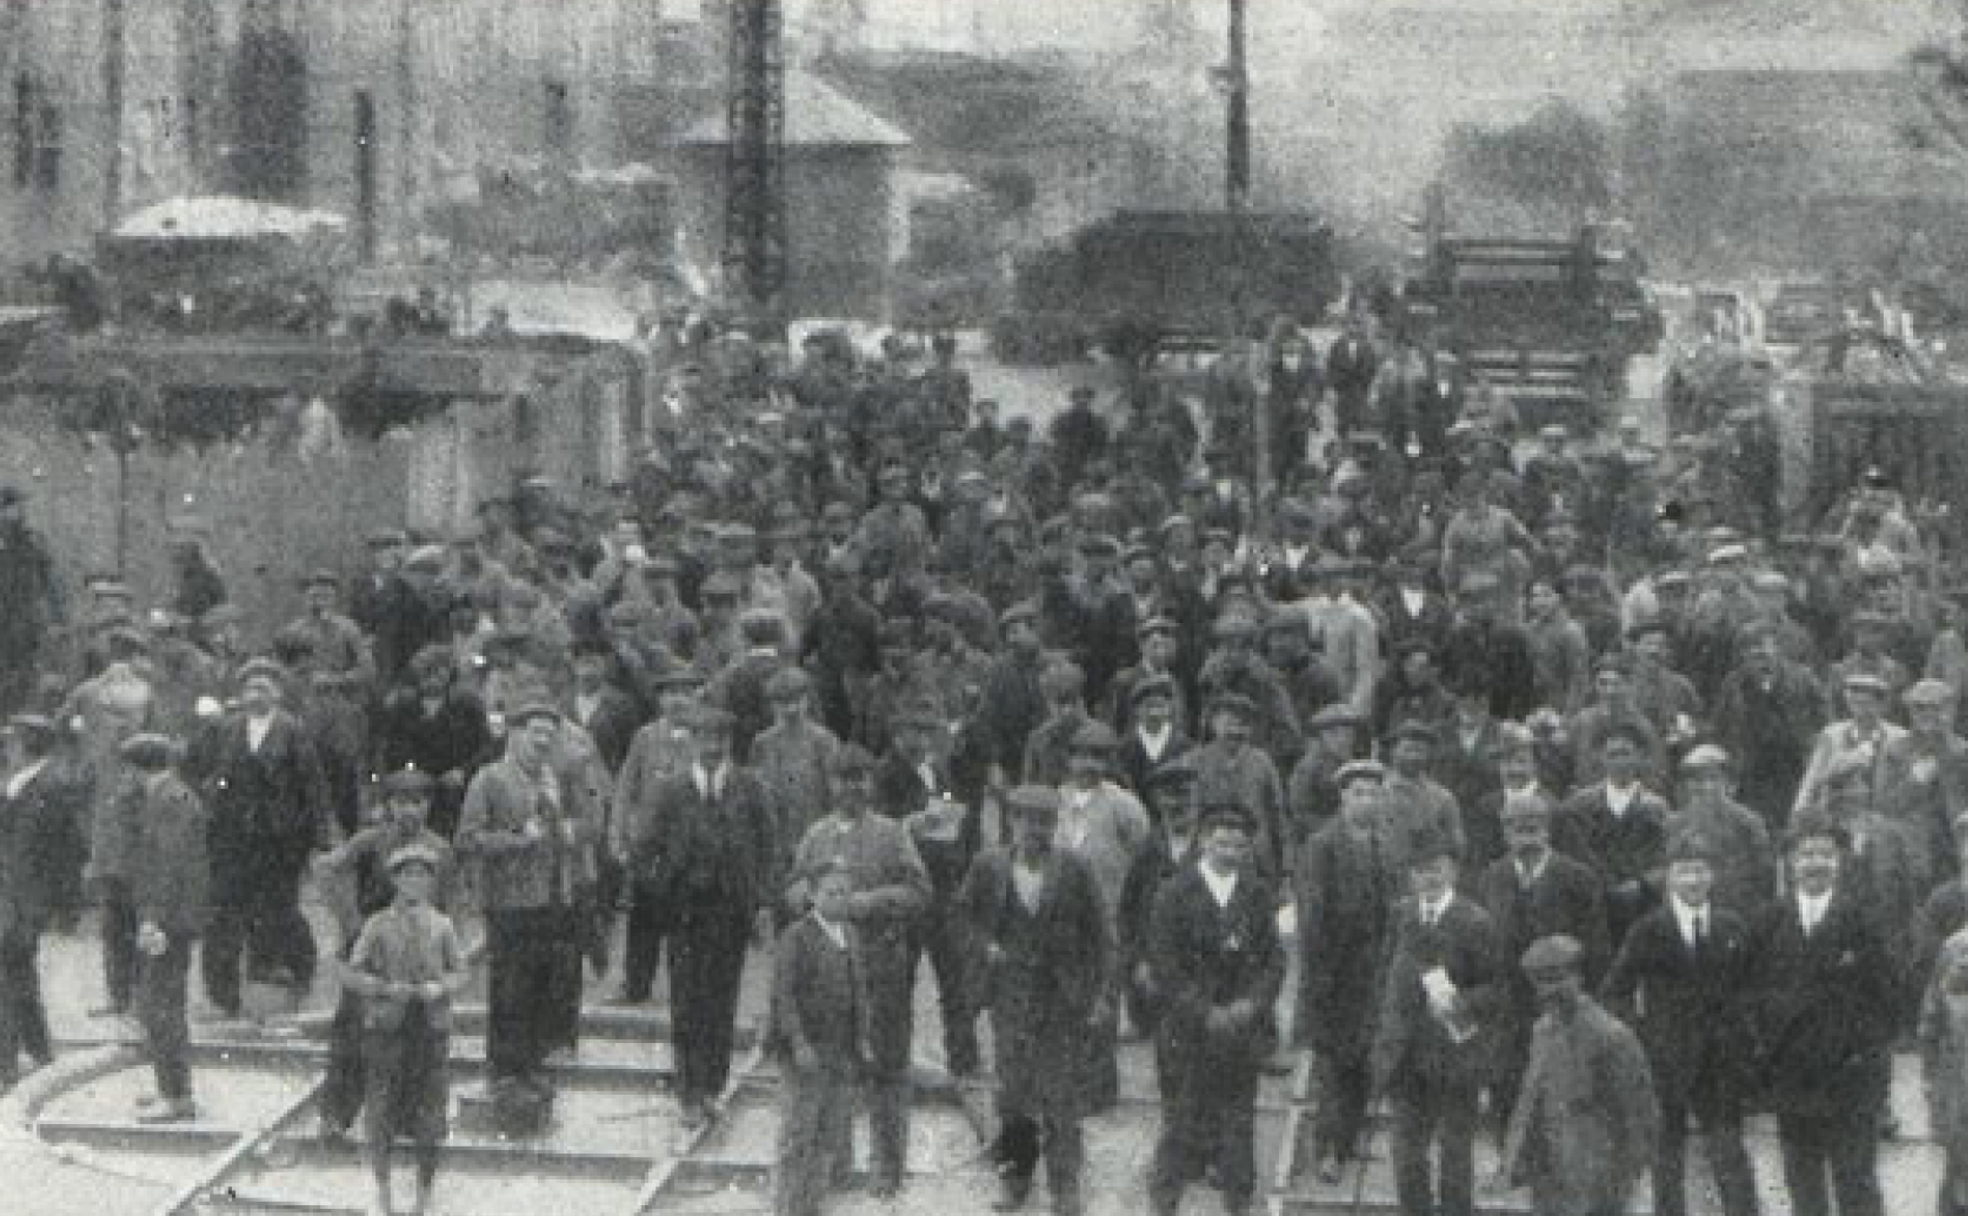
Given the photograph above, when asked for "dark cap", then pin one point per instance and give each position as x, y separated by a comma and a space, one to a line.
415, 853
409, 780
148, 750
1095, 736
1151, 687
530, 711
262, 668
1033, 800
1234, 703
1556, 954
852, 760
788, 684
1416, 730
1690, 846
1226, 813
1359, 770
1428, 846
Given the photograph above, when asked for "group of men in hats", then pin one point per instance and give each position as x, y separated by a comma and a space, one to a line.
1073, 730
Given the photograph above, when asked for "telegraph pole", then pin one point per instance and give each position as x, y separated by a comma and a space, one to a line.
1237, 88
755, 155
115, 49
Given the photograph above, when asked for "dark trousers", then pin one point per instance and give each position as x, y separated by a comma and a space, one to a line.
891, 1035
409, 1086
940, 934
1345, 1084
816, 1114
1842, 1150
1949, 1202
119, 934
260, 918
1025, 1138
343, 1086
1208, 1120
707, 961
1430, 1111
648, 925
23, 1018
533, 958
162, 984
1721, 1125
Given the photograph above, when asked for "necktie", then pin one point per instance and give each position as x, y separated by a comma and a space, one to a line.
1701, 931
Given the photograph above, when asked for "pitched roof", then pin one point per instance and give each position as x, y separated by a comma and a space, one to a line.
816, 116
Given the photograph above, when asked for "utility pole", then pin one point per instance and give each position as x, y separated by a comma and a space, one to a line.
1237, 90
755, 157
115, 51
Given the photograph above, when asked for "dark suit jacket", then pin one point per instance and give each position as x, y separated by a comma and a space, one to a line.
1824, 1011
169, 875
267, 807
689, 850
819, 997
1409, 1041
1133, 767
1628, 853
1204, 957
900, 793
1691, 1010
1567, 898
612, 726
40, 834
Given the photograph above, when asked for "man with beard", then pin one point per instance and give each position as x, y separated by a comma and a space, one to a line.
1036, 913
890, 891
1217, 964
261, 776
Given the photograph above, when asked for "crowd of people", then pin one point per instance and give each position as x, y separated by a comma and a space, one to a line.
1574, 800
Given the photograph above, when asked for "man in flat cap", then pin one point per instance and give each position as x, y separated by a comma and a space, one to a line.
1232, 769
792, 756
1236, 667
739, 689
889, 893
1435, 1035
1861, 741
1618, 827
1768, 716
1078, 436
1049, 747
1035, 911
1614, 701
1585, 1123
363, 862
339, 671
1928, 777
1100, 617
1826, 1018
260, 772
1154, 734
660, 749
705, 851
530, 826
1682, 980
1416, 803
1107, 827
1346, 884
170, 888
1741, 853
1217, 966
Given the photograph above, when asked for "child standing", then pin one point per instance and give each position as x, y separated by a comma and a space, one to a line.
818, 1031
407, 966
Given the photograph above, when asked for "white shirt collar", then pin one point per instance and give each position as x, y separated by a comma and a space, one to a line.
18, 782
709, 783
1618, 800
1684, 916
837, 933
1222, 887
1413, 599
1812, 908
1155, 742
1432, 912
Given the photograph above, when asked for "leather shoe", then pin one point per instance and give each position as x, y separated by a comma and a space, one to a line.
1011, 1196
174, 1110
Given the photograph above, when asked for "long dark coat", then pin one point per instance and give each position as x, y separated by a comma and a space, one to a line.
1346, 889
1054, 965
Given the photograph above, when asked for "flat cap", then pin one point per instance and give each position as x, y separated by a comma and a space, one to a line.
1151, 687
1428, 846
1928, 692
1024, 611
1030, 800
1725, 554
1417, 730
1865, 681
1703, 758
1816, 827
1526, 805
1095, 736
710, 720
321, 578
1157, 624
1558, 953
1690, 846
38, 725
1235, 703
1235, 625
148, 750
721, 583
429, 558
788, 684
1226, 813
416, 853
407, 780
1335, 715
1359, 770
1178, 770
1099, 544
531, 710
261, 669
